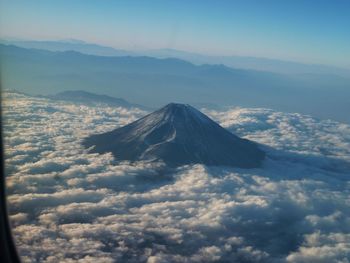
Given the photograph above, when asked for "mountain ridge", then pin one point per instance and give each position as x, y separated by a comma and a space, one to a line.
89, 97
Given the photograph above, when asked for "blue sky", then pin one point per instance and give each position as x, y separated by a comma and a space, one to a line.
306, 31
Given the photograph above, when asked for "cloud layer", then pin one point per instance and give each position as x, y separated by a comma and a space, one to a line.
68, 205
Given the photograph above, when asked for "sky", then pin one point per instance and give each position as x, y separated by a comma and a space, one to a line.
305, 31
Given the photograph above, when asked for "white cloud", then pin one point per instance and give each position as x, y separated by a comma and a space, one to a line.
331, 247
68, 205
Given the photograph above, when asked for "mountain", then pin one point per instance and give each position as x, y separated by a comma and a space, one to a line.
152, 82
177, 134
88, 97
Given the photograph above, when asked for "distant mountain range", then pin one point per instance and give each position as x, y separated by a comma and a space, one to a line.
242, 62
253, 63
177, 134
153, 82
69, 45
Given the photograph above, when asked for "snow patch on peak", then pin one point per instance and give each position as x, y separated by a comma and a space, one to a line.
185, 112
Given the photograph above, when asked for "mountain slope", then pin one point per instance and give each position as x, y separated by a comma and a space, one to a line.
177, 134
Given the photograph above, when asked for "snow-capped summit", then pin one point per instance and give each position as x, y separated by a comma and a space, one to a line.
177, 134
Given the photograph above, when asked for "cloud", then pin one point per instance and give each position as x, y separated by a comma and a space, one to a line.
68, 205
318, 247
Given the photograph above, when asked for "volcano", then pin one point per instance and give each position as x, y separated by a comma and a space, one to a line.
177, 134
